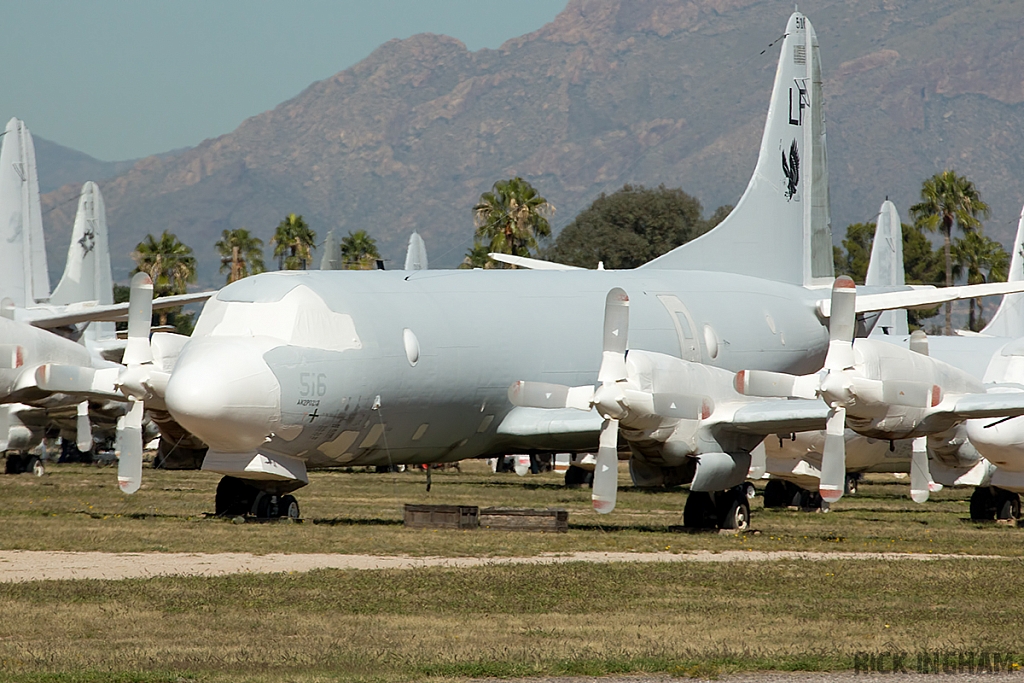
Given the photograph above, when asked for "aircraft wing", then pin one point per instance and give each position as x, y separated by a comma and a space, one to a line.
996, 404
80, 313
918, 298
541, 422
779, 416
531, 263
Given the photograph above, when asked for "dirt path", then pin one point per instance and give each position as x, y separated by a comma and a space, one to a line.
30, 565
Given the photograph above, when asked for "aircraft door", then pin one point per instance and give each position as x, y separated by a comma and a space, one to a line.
689, 346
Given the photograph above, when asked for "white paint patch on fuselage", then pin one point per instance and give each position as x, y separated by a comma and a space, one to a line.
299, 318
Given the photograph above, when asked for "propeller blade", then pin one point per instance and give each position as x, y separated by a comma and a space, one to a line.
683, 406
616, 337
919, 342
919, 474
842, 324
129, 460
140, 315
606, 471
522, 466
84, 436
833, 457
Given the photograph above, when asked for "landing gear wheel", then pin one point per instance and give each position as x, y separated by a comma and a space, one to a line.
775, 494
267, 506
699, 511
983, 504
14, 464
850, 488
575, 477
234, 497
733, 510
289, 507
35, 466
748, 490
1007, 504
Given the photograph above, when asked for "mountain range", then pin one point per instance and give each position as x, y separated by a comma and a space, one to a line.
610, 92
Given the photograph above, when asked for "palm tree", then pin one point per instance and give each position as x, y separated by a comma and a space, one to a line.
168, 262
241, 254
359, 251
476, 257
982, 259
293, 243
947, 198
511, 217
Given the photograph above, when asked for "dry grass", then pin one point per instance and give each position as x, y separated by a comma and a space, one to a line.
444, 623
78, 507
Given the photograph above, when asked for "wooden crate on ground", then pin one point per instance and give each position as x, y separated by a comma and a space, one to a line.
520, 519
442, 516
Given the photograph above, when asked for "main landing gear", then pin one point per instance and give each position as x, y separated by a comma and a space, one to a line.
722, 509
779, 493
238, 498
990, 502
20, 463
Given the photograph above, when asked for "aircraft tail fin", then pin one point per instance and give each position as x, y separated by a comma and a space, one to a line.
331, 260
885, 266
416, 254
1008, 320
87, 275
781, 226
23, 275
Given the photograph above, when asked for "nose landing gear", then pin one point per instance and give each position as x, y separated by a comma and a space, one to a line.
238, 498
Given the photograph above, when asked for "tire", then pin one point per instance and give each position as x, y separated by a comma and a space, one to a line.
575, 477
1007, 504
234, 497
14, 463
699, 511
748, 490
983, 507
35, 466
734, 511
267, 506
289, 507
775, 494
850, 487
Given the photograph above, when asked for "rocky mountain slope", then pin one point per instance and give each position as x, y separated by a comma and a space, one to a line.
612, 91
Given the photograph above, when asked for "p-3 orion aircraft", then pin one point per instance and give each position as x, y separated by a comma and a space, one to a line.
288, 371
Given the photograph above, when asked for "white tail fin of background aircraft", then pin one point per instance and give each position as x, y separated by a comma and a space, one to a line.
416, 254
885, 266
87, 274
1008, 320
23, 275
781, 226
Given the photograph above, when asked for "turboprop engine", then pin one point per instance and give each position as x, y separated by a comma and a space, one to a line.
879, 390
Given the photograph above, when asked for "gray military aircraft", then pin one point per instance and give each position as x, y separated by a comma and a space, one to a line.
293, 370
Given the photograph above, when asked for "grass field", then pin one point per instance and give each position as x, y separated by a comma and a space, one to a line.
444, 624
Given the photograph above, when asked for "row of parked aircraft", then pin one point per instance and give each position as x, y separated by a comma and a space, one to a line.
695, 361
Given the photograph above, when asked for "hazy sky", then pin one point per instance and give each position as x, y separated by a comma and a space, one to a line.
120, 79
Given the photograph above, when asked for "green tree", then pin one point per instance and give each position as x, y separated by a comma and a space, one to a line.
293, 242
511, 218
630, 227
169, 263
981, 259
241, 254
853, 257
476, 257
359, 251
948, 199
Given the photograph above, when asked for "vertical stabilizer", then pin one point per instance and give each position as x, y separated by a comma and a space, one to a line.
331, 260
886, 266
23, 274
1008, 320
416, 254
781, 227
87, 275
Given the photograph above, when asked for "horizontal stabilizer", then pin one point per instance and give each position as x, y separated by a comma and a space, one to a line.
72, 314
531, 263
924, 298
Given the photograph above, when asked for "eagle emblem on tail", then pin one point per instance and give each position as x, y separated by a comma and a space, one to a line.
791, 168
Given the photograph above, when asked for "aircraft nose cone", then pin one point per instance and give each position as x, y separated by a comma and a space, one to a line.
222, 391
